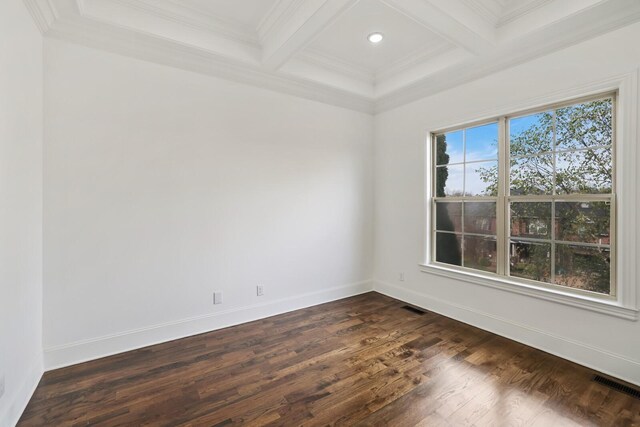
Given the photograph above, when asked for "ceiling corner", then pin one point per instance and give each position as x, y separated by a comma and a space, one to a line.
43, 12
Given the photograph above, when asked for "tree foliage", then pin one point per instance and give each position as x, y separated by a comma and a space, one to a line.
567, 150
447, 245
581, 127
581, 158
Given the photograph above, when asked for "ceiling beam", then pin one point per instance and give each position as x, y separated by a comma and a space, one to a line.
589, 23
451, 20
306, 21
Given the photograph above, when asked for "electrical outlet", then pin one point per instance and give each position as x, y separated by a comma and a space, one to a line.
401, 277
260, 290
217, 297
1, 386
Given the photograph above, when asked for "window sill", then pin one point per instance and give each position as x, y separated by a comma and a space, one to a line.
612, 308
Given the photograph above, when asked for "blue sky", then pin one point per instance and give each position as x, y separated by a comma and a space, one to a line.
481, 144
474, 184
520, 124
482, 140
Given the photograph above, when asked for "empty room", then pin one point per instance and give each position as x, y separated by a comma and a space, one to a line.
319, 212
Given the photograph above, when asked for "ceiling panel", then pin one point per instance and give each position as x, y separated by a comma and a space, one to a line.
246, 12
497, 12
346, 39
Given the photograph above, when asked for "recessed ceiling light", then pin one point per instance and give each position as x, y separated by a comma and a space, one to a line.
375, 38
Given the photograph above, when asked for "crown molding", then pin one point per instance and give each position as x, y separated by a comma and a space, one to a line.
595, 21
491, 15
320, 77
171, 11
520, 10
290, 36
498, 13
43, 12
339, 65
409, 61
162, 51
176, 12
142, 17
281, 12
451, 21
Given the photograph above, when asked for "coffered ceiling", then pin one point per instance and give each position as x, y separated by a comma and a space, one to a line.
318, 49
244, 12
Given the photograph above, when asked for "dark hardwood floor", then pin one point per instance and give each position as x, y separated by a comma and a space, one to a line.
359, 361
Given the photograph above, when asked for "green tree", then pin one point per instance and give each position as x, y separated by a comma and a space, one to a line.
447, 245
581, 155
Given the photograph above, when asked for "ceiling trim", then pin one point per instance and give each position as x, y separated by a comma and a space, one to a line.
291, 35
417, 57
281, 11
491, 15
162, 51
173, 11
519, 11
163, 19
345, 85
43, 12
339, 65
593, 22
475, 38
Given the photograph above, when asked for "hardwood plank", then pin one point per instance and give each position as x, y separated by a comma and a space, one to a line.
357, 361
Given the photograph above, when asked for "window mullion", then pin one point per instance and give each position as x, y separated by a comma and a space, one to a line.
432, 192
501, 208
552, 273
464, 193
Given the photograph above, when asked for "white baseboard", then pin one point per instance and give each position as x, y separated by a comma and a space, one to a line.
584, 354
81, 351
19, 400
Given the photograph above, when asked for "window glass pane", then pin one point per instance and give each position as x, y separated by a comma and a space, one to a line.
583, 267
586, 222
449, 248
552, 154
531, 175
584, 125
531, 219
530, 260
586, 172
481, 179
531, 135
480, 217
449, 216
449, 180
449, 148
482, 142
480, 253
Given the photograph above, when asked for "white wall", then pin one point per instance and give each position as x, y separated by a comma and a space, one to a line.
163, 185
604, 342
20, 208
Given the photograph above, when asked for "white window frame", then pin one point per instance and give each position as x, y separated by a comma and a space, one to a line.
623, 303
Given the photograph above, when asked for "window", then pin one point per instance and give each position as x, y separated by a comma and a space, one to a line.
529, 197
